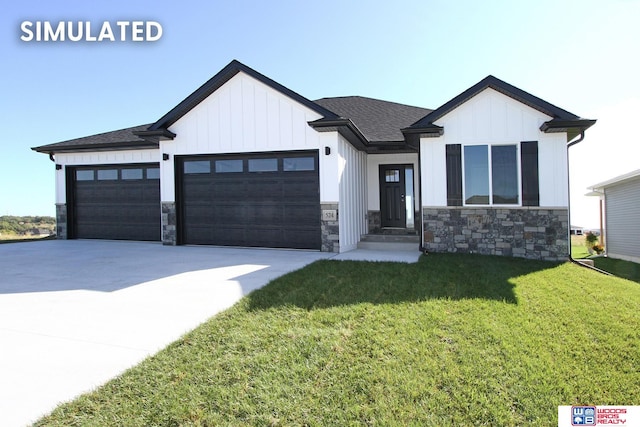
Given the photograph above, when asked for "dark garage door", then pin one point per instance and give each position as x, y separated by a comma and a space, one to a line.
115, 202
267, 200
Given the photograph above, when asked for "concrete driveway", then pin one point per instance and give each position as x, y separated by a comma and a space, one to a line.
74, 314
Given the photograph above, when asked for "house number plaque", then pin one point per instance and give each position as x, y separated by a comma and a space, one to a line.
329, 215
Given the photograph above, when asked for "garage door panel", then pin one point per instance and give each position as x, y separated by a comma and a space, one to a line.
266, 213
229, 188
239, 206
302, 236
304, 215
115, 208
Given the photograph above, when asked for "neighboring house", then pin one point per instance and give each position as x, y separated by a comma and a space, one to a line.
44, 232
576, 230
245, 161
620, 198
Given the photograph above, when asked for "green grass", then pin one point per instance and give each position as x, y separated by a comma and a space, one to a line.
625, 269
452, 340
578, 247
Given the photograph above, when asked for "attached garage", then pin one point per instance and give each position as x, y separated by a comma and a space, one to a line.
261, 200
114, 202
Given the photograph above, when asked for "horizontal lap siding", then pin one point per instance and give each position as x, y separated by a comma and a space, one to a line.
623, 219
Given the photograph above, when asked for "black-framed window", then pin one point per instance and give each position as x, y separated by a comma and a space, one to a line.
228, 166
487, 175
131, 174
107, 174
298, 164
197, 166
85, 175
263, 165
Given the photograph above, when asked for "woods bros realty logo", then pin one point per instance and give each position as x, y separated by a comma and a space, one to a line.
598, 416
78, 31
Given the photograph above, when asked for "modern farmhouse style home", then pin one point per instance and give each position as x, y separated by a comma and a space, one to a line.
245, 161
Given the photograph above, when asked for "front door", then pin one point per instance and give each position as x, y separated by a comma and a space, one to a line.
396, 195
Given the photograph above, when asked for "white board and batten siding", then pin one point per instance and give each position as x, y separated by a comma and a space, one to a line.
622, 231
242, 116
352, 165
99, 158
491, 117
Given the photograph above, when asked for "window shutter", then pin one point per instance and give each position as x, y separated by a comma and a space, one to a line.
454, 174
530, 182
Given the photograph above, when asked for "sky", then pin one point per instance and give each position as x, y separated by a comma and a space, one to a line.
579, 55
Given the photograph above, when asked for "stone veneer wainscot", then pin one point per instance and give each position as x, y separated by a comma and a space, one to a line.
330, 229
526, 232
61, 220
169, 233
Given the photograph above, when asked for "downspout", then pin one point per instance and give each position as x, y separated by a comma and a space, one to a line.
575, 261
51, 157
421, 247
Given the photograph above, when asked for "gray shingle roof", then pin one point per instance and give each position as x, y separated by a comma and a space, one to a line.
377, 120
117, 138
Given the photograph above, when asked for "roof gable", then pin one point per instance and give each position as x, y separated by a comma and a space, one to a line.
561, 120
213, 84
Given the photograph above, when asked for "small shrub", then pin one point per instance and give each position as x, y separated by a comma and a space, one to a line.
598, 248
591, 239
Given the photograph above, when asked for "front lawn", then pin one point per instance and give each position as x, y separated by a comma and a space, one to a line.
625, 269
451, 340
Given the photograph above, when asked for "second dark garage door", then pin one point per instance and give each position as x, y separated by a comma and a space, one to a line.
114, 202
262, 200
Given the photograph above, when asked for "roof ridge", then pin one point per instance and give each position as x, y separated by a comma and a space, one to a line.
372, 99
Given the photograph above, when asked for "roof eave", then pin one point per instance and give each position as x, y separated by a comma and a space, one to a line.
573, 128
429, 131
116, 146
156, 135
343, 126
617, 180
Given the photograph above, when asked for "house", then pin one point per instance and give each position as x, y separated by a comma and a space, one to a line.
245, 161
577, 230
620, 213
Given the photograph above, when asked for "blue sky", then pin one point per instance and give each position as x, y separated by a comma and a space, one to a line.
579, 55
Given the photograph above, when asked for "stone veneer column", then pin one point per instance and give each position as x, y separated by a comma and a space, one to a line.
330, 229
527, 232
61, 220
374, 220
169, 236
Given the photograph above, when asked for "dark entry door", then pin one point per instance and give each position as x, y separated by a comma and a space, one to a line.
392, 196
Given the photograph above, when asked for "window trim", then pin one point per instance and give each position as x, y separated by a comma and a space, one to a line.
490, 173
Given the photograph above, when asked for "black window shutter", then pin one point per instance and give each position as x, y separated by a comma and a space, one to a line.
530, 182
454, 174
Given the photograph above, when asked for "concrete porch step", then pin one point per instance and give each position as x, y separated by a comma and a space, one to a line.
387, 242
